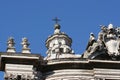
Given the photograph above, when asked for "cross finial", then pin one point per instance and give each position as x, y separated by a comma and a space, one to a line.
56, 20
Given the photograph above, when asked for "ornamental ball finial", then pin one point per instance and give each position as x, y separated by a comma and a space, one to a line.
57, 26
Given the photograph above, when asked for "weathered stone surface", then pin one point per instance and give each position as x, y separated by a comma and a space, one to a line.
107, 44
59, 45
21, 66
79, 69
100, 61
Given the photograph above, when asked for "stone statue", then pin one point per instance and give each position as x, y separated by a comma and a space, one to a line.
91, 47
112, 43
56, 50
103, 32
48, 52
108, 43
111, 34
66, 49
92, 40
95, 46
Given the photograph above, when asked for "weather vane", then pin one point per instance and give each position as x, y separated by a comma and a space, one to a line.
56, 20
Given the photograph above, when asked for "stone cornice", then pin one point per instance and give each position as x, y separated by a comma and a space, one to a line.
59, 64
17, 58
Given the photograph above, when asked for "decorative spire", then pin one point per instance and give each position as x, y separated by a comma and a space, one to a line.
56, 26
25, 45
58, 44
10, 45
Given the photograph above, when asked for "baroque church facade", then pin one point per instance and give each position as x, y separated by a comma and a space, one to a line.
100, 60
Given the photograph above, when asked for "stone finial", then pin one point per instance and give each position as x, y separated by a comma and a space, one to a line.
110, 26
57, 29
57, 26
25, 45
10, 45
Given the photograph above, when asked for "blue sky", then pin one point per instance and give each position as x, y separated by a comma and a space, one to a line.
33, 19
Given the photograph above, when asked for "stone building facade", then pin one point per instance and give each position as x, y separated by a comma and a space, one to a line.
100, 60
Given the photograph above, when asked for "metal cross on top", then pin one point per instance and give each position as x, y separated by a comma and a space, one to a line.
56, 20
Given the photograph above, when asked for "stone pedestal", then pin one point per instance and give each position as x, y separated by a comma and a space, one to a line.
27, 50
12, 49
